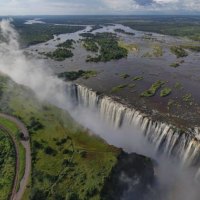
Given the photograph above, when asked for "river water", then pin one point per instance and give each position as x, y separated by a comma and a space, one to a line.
150, 68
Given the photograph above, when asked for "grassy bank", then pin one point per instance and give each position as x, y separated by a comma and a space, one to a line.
67, 162
11, 126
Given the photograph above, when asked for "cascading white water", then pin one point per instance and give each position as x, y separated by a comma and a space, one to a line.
167, 139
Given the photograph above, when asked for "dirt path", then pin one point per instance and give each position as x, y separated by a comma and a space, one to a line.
17, 195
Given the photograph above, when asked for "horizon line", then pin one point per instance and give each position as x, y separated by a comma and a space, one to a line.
101, 15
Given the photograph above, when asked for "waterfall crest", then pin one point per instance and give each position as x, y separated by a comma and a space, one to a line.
183, 145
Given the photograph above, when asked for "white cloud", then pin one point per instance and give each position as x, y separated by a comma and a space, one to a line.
183, 5
121, 5
64, 7
54, 7
154, 5
166, 1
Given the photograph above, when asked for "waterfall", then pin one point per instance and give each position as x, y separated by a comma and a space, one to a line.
167, 139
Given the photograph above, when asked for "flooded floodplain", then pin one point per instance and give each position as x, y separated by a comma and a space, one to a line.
149, 60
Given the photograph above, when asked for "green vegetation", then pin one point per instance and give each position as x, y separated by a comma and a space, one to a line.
183, 26
89, 74
178, 51
73, 75
129, 47
147, 55
132, 85
4, 82
191, 47
124, 76
170, 103
147, 36
109, 48
7, 166
153, 89
156, 51
12, 127
165, 92
187, 98
118, 88
175, 64
178, 85
60, 54
66, 160
36, 33
68, 44
137, 78
123, 31
96, 27
3, 85
90, 45
87, 35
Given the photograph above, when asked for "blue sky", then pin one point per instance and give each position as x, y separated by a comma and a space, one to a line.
75, 7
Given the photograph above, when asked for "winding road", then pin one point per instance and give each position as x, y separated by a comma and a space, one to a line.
17, 195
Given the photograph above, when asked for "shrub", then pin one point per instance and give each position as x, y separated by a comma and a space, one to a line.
118, 88
92, 192
67, 44
175, 65
35, 125
73, 75
66, 162
48, 150
83, 154
60, 54
37, 145
138, 78
153, 89
178, 51
38, 195
124, 76
165, 92
67, 151
72, 196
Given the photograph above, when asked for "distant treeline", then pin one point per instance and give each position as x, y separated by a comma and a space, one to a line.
184, 26
31, 34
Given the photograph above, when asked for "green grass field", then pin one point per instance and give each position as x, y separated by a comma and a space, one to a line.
7, 165
11, 126
67, 162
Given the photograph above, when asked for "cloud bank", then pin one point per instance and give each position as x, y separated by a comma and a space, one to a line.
75, 7
145, 6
